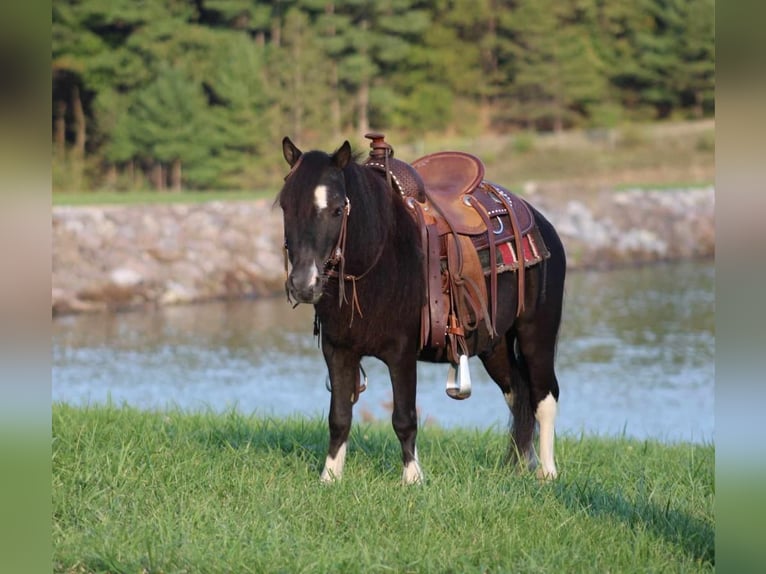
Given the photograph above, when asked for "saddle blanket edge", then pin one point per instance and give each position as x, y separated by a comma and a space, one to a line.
535, 251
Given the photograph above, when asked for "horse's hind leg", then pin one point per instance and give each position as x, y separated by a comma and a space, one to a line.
536, 332
502, 366
537, 346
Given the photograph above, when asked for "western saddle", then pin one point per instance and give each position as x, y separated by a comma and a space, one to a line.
470, 229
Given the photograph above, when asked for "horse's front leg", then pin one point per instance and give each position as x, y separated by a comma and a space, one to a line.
343, 367
405, 417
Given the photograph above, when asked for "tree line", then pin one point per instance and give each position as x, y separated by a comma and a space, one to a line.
198, 93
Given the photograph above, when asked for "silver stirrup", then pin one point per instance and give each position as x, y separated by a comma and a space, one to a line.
459, 380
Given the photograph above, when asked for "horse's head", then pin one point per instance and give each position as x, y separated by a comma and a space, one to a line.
315, 208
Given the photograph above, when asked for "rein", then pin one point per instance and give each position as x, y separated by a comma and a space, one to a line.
335, 267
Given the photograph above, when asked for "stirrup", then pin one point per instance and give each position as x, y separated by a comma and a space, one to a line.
362, 382
459, 380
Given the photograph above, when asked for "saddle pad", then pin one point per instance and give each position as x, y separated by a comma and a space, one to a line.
534, 250
533, 246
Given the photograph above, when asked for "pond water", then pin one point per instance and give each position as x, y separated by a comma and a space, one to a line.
635, 357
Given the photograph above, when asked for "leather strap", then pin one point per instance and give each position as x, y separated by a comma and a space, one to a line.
468, 287
437, 300
425, 317
522, 270
492, 259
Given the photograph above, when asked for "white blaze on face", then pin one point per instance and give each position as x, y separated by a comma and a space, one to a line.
546, 417
333, 467
320, 197
314, 275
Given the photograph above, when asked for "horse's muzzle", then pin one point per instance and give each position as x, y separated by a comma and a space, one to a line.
305, 290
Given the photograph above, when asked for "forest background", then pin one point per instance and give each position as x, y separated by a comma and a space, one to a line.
172, 94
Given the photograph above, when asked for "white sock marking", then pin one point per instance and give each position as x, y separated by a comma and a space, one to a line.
320, 197
546, 417
333, 467
412, 473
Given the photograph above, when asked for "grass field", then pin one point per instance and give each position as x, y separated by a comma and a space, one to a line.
666, 154
173, 492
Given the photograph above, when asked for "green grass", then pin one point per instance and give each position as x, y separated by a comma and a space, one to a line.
173, 492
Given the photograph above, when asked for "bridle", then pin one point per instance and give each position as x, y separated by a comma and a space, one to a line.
335, 265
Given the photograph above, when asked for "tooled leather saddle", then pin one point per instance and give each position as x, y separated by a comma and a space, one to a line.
471, 230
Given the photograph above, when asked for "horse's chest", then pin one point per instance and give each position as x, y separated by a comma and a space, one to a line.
371, 333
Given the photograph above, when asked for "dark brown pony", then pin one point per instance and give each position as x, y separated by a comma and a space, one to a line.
342, 219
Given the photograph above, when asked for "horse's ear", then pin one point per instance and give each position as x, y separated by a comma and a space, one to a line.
342, 157
290, 151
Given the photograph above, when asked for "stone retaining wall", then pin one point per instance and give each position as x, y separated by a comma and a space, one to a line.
119, 257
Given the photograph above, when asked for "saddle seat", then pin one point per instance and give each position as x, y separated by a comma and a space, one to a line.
448, 176
451, 179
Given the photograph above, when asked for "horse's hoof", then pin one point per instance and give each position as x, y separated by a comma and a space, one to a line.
546, 475
328, 477
412, 473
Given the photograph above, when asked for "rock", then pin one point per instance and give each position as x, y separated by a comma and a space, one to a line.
124, 277
176, 293
107, 258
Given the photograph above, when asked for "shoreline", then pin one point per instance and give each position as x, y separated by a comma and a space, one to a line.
114, 258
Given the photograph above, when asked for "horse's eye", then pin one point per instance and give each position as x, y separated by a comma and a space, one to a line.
338, 212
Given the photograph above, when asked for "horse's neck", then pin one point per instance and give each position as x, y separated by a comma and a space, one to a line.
369, 231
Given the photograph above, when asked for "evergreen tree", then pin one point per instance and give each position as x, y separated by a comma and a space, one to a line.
205, 88
242, 114
304, 75
475, 58
695, 77
116, 128
660, 54
171, 126
249, 15
559, 74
